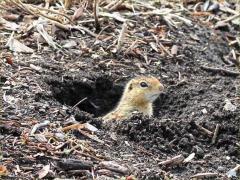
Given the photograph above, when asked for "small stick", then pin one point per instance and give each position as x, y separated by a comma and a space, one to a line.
84, 29
121, 36
113, 166
165, 50
220, 71
79, 102
52, 11
181, 82
73, 126
173, 161
189, 158
229, 19
206, 131
72, 164
204, 175
95, 13
237, 168
88, 155
68, 4
93, 137
111, 4
37, 126
227, 9
215, 134
116, 5
233, 172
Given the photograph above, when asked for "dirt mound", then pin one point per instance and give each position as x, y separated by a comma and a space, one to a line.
198, 112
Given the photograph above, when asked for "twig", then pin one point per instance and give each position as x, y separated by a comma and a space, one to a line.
71, 164
204, 175
220, 71
116, 5
153, 12
206, 131
165, 50
121, 36
111, 4
186, 21
93, 137
73, 126
227, 9
60, 25
88, 155
35, 10
68, 4
95, 13
233, 172
84, 29
173, 161
215, 134
53, 11
37, 126
189, 158
229, 19
113, 166
180, 83
79, 102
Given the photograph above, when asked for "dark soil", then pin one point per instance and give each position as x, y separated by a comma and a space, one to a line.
192, 95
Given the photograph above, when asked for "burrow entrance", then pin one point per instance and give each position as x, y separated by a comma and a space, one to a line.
101, 94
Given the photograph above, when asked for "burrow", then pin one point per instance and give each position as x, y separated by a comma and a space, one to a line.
97, 95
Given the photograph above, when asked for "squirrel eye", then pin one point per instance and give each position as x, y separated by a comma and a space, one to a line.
143, 84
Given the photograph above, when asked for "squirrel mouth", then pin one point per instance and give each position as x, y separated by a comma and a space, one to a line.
153, 97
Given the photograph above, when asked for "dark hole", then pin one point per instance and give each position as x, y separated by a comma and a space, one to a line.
2, 80
102, 95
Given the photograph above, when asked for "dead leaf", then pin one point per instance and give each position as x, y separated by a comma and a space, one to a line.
17, 46
189, 158
12, 17
3, 170
9, 60
40, 28
114, 15
194, 37
36, 68
69, 44
44, 171
93, 137
8, 25
77, 14
40, 138
68, 4
154, 46
90, 127
174, 50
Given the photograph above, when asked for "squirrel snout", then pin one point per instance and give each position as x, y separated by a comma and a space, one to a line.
161, 87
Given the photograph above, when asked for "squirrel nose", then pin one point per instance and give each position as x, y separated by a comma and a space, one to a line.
161, 87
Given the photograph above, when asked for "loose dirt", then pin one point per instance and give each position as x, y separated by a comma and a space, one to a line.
192, 96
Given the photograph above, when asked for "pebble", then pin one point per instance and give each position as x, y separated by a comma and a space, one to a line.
221, 169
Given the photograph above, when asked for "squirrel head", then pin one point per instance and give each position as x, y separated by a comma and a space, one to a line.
144, 89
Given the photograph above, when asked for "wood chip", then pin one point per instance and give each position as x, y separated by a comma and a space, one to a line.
204, 175
173, 161
113, 166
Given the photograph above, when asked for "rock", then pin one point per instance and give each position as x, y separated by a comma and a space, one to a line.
229, 106
199, 151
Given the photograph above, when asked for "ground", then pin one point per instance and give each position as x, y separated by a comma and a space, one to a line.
193, 96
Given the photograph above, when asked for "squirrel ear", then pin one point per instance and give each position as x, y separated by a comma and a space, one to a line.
130, 87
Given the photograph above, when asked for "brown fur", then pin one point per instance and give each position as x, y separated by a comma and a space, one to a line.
136, 98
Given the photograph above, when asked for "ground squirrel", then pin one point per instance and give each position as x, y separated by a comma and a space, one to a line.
139, 94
